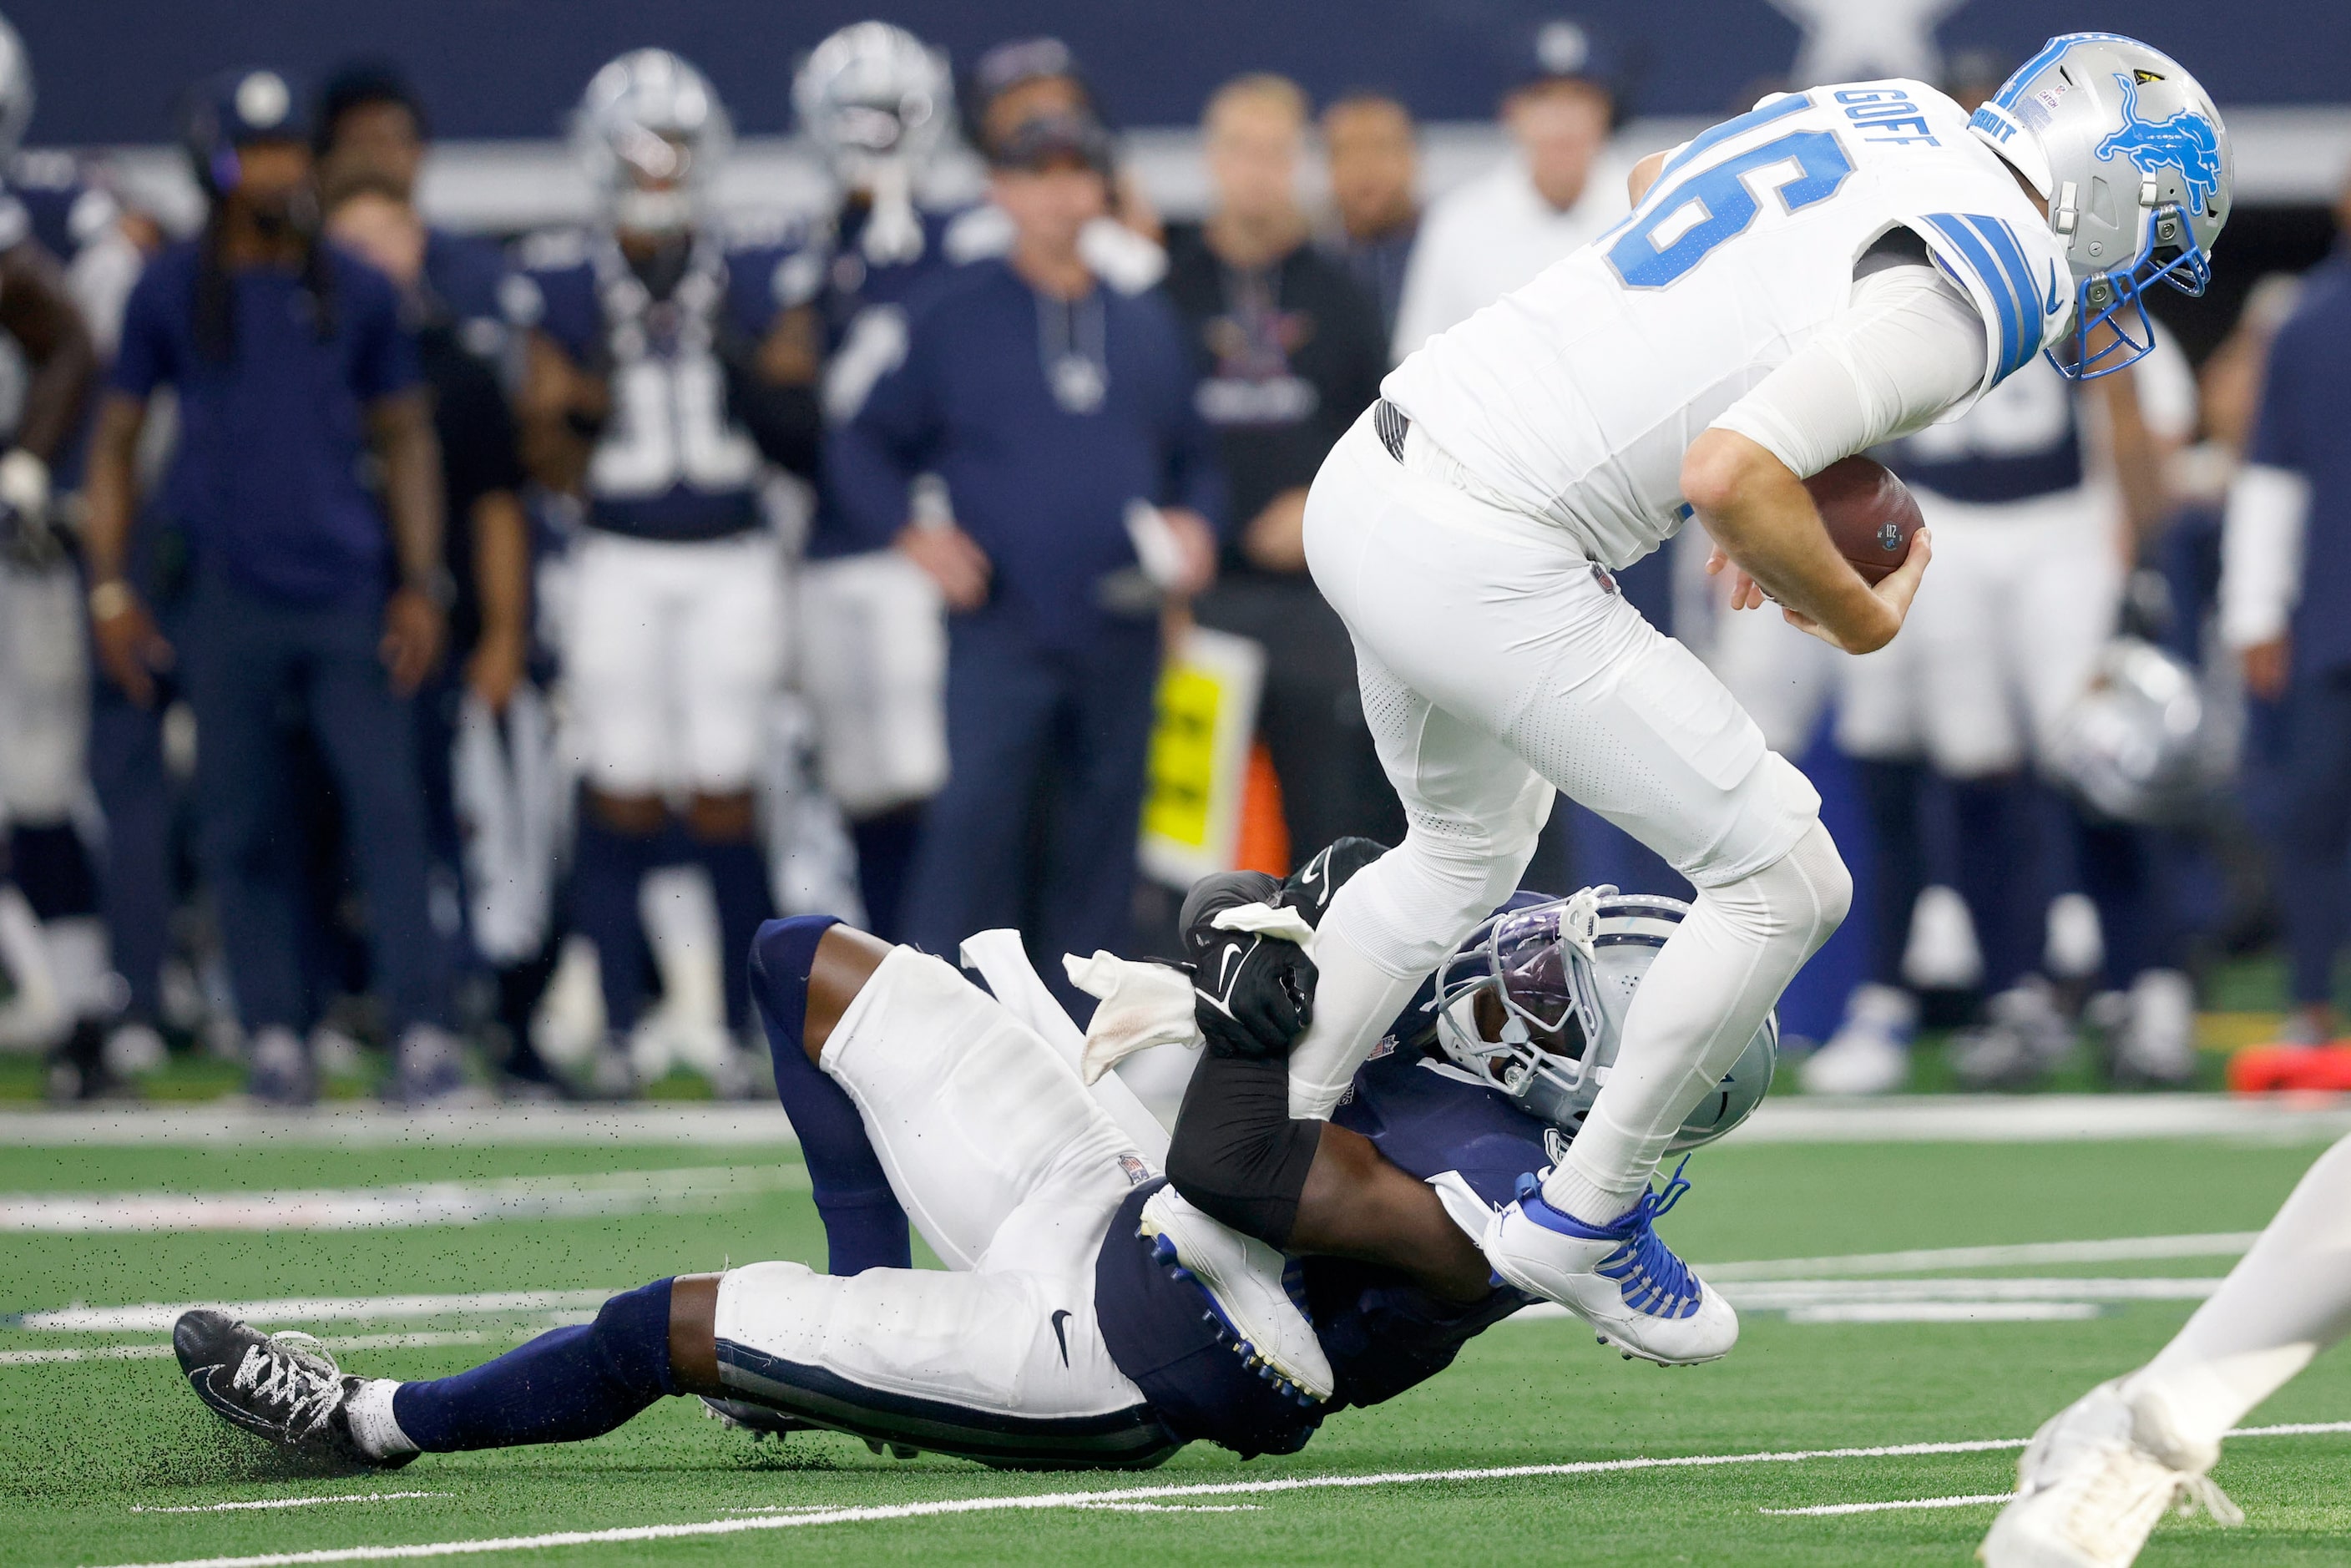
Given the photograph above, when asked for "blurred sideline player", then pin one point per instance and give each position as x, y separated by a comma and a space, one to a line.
1373, 150
661, 378
1829, 270
1556, 190
372, 128
2025, 494
52, 947
2281, 593
2101, 1473
1087, 1317
877, 103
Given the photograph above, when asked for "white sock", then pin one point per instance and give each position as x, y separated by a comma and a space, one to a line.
1354, 998
1393, 924
369, 1412
1700, 1003
2289, 1298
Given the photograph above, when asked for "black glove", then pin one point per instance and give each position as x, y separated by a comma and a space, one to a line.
1308, 889
1253, 995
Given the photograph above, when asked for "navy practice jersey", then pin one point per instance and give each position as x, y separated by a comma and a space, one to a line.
673, 463
2023, 439
1383, 1334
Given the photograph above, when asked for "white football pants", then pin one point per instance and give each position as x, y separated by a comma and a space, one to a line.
1499, 663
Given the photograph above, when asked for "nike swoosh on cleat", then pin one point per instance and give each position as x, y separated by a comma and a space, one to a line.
201, 1380
1060, 1316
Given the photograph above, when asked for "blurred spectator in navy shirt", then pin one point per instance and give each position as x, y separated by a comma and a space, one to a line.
1290, 351
1049, 405
316, 600
1375, 156
372, 129
2285, 580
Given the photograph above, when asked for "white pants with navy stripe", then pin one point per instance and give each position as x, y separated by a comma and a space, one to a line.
1011, 1173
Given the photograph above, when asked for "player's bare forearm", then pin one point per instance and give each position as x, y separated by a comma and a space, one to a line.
1764, 520
1357, 1204
2138, 457
110, 490
38, 311
558, 413
402, 430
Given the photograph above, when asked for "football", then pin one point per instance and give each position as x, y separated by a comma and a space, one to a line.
1869, 513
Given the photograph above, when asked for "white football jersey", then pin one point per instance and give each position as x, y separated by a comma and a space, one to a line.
1577, 396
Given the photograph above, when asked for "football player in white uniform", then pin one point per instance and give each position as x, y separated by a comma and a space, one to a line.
662, 374
1835, 268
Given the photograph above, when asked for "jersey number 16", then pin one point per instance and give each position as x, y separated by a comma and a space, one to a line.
1717, 203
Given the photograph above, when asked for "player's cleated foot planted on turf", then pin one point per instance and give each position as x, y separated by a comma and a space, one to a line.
283, 1388
1242, 1278
2093, 1481
1621, 1277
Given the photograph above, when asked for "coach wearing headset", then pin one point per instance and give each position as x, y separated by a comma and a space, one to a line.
316, 596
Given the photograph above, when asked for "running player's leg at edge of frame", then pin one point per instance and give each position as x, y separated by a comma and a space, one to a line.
1012, 1172
2099, 1476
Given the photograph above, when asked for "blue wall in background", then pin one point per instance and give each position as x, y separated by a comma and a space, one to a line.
110, 70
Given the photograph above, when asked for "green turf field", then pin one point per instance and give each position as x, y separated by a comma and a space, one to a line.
95, 1452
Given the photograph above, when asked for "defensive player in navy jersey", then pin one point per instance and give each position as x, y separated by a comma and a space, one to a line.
662, 381
1089, 1317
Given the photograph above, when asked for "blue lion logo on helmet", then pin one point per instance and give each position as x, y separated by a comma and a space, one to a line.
2187, 141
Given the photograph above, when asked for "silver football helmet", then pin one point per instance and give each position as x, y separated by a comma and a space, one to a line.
651, 134
2133, 160
2135, 744
1533, 1001
15, 90
876, 101
873, 92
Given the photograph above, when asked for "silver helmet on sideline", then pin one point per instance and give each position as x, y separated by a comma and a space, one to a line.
1532, 1003
2138, 744
651, 135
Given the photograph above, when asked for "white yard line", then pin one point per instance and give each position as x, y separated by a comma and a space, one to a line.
284, 1502
374, 1128
1828, 1507
161, 1351
1936, 1118
1948, 1312
1095, 1499
405, 1207
2118, 1249
286, 1312
2046, 1118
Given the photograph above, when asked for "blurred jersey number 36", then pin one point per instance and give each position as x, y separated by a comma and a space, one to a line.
1198, 768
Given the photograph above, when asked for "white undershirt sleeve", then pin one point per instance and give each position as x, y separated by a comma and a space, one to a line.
1910, 348
2261, 554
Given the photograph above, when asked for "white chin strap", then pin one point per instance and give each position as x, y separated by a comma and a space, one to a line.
894, 233
653, 212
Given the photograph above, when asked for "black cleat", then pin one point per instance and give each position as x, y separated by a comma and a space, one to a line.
759, 1420
283, 1388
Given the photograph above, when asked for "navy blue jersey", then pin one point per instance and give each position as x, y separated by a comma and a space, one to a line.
1383, 1334
465, 276
2023, 439
2304, 393
1046, 419
269, 477
844, 281
66, 211
673, 462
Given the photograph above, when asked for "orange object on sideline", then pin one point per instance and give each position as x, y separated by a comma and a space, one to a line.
2285, 1069
1265, 832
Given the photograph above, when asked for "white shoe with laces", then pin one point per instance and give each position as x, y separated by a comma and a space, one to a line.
1621, 1277
2093, 1481
1246, 1283
1870, 1052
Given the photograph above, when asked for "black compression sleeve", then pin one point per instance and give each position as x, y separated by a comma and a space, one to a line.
1236, 1154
